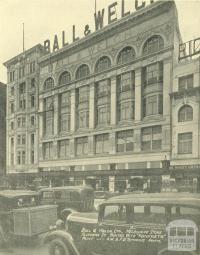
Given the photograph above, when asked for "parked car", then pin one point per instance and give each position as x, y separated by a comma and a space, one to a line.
16, 210
68, 199
100, 194
139, 224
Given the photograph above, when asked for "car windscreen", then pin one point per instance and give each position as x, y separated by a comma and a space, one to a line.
47, 194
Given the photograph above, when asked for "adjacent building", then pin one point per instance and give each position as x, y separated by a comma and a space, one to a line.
2, 129
185, 100
110, 109
22, 112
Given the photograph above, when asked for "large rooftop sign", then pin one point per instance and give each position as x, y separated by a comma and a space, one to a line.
99, 22
189, 49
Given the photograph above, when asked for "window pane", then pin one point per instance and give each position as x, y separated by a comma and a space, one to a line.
126, 55
185, 143
115, 213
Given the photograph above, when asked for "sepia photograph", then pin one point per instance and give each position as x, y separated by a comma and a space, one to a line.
100, 127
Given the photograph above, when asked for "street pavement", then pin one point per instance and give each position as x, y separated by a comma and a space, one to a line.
31, 247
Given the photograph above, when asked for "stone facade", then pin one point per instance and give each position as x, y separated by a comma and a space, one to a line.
2, 129
105, 106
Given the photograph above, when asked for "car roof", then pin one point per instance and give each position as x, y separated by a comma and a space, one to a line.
17, 193
184, 199
70, 188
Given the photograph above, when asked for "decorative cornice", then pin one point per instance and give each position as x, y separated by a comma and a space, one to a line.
188, 92
23, 55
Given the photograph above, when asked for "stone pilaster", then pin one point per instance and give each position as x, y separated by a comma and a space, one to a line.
138, 94
167, 82
137, 139
56, 114
73, 111
113, 100
92, 106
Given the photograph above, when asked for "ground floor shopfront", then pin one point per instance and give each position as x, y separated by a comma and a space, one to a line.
122, 180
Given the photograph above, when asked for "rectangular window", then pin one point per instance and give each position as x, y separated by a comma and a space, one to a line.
83, 94
48, 116
125, 141
185, 143
12, 91
23, 139
185, 82
12, 108
151, 138
63, 149
32, 83
32, 139
21, 157
103, 115
12, 125
22, 104
83, 119
126, 82
32, 101
21, 71
153, 73
102, 143
126, 110
32, 67
19, 139
153, 105
12, 158
32, 120
21, 122
22, 88
23, 119
81, 146
48, 150
12, 76
65, 112
103, 88
32, 157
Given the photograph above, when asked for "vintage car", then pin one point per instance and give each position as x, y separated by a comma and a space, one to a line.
68, 199
20, 215
133, 224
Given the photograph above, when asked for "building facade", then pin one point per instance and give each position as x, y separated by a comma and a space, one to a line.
185, 98
22, 112
104, 101
2, 129
106, 110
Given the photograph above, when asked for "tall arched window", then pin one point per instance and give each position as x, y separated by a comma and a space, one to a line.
153, 44
102, 64
48, 84
126, 55
185, 113
64, 78
82, 72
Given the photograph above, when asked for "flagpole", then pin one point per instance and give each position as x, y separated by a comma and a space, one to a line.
23, 39
95, 6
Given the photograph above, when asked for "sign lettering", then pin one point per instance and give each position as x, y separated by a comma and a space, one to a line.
98, 21
189, 48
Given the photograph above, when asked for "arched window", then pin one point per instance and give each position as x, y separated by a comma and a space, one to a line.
82, 72
64, 78
48, 84
102, 64
126, 55
185, 113
153, 44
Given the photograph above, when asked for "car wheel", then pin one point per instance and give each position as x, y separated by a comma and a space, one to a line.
58, 247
